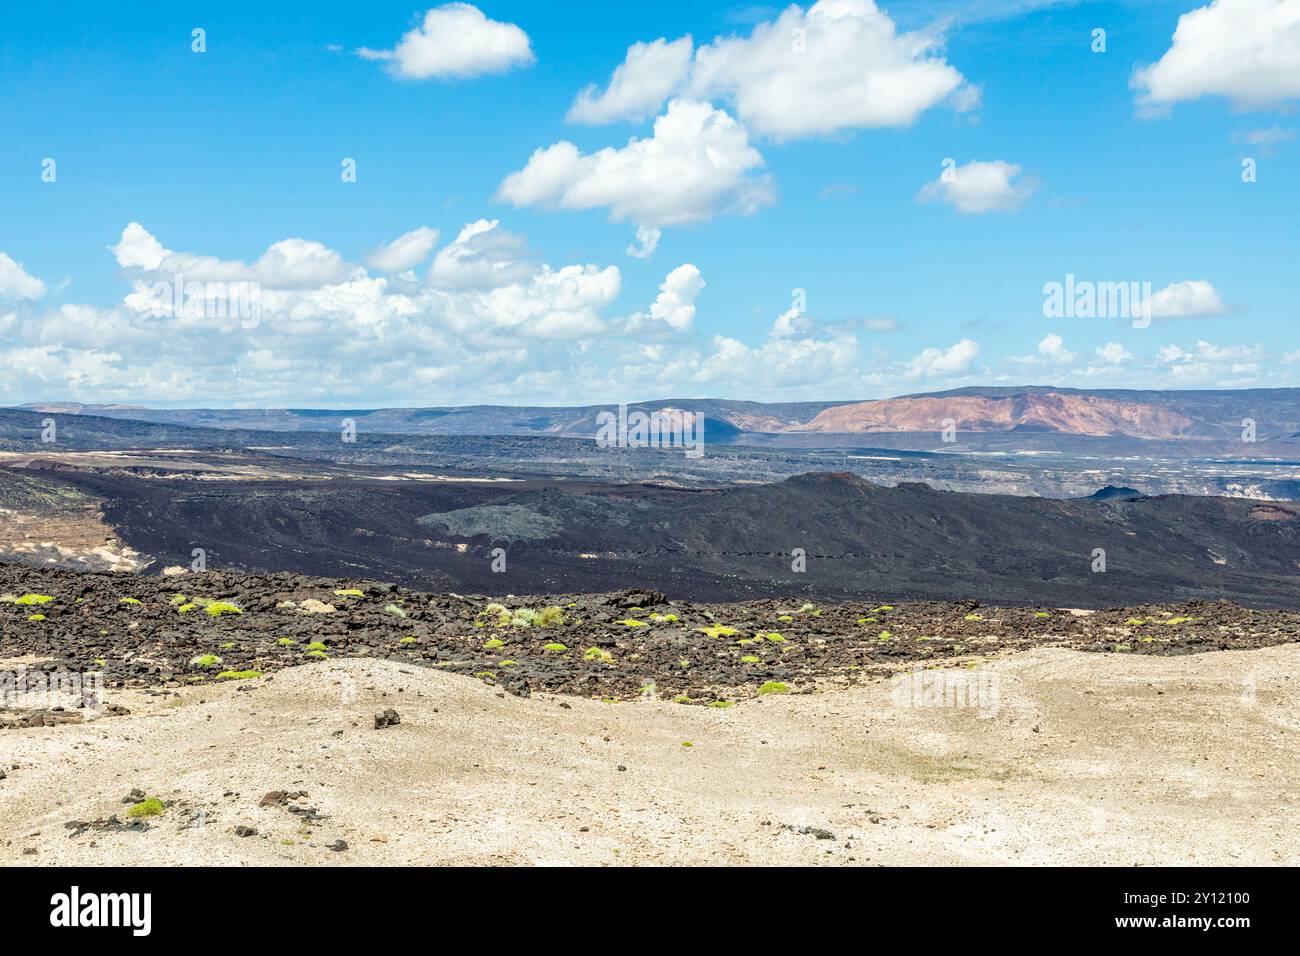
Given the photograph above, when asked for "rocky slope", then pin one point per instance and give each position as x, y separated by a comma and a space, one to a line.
206, 628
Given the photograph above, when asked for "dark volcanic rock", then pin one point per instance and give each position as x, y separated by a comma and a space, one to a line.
673, 650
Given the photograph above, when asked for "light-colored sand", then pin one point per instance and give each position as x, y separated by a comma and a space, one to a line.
1076, 758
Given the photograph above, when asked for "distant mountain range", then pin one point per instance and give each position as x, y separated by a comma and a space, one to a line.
1019, 412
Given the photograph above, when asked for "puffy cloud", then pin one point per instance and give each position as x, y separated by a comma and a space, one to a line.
979, 187
1188, 299
839, 65
1245, 50
484, 256
405, 252
1112, 353
790, 322
640, 85
793, 362
1052, 348
934, 362
698, 164
1051, 351
675, 304
15, 283
647, 240
1203, 351
138, 249
456, 41
289, 263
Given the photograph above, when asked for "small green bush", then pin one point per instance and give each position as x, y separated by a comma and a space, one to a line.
149, 807
774, 687
218, 608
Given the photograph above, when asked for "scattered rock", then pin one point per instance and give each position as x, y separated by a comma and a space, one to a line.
387, 718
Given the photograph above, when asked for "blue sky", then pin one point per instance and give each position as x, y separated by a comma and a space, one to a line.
814, 164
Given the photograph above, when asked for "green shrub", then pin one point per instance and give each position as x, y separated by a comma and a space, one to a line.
555, 647
238, 675
205, 660
551, 616
30, 599
718, 630
218, 608
774, 687
149, 807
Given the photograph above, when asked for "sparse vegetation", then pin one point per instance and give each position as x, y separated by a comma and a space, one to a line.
148, 807
774, 687
718, 630
218, 608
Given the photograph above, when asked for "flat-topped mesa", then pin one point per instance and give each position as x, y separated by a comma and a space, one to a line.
1090, 415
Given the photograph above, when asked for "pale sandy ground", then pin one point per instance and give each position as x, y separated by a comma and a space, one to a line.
1090, 758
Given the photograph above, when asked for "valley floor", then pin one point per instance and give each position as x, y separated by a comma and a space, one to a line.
1072, 758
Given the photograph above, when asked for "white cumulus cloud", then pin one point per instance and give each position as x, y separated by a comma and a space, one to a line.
456, 41
839, 65
697, 164
1189, 299
15, 283
483, 256
1112, 353
979, 187
640, 85
932, 362
289, 263
405, 252
675, 304
1245, 50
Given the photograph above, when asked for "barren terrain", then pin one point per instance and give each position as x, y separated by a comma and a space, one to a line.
1086, 759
